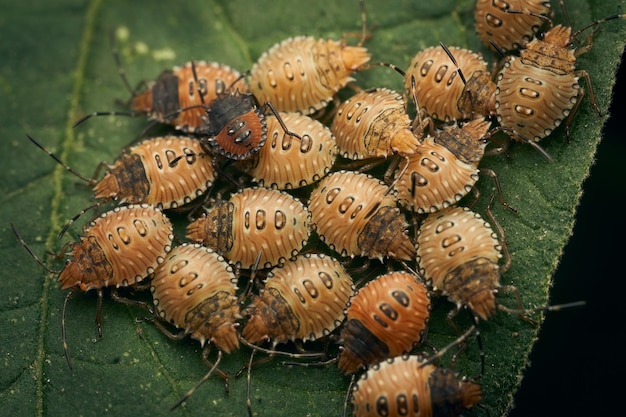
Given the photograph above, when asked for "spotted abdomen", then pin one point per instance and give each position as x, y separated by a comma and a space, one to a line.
303, 299
172, 96
438, 86
509, 31
302, 74
121, 247
286, 162
444, 168
532, 101
357, 215
373, 123
194, 289
234, 126
404, 386
254, 220
386, 318
167, 172
458, 251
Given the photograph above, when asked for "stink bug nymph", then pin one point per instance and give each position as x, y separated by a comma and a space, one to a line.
458, 253
302, 74
386, 318
438, 83
288, 163
406, 385
509, 24
194, 289
445, 168
166, 172
254, 220
304, 299
235, 125
356, 214
539, 90
177, 96
373, 123
100, 259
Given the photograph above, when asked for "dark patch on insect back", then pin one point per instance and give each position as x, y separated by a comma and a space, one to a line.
364, 345
235, 127
94, 266
215, 229
405, 385
283, 312
224, 109
194, 289
385, 233
385, 121
165, 99
271, 316
467, 148
477, 96
131, 177
447, 393
468, 279
208, 312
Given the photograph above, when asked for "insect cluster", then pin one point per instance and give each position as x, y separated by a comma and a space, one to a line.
291, 210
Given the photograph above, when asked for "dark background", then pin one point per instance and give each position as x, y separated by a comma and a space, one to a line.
577, 366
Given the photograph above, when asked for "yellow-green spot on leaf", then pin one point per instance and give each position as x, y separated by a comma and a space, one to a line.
164, 54
122, 33
141, 48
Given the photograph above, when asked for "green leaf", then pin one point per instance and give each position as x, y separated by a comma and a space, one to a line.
57, 65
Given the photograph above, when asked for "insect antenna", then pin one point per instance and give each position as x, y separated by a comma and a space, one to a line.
597, 26
249, 383
106, 113
348, 395
533, 14
566, 18
154, 123
201, 93
451, 56
200, 382
120, 67
513, 132
90, 181
386, 64
230, 87
66, 349
421, 125
498, 50
556, 307
460, 339
363, 35
280, 120
80, 213
122, 73
273, 353
31, 252
248, 290
69, 294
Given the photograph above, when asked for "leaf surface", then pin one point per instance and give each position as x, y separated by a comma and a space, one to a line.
57, 66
